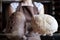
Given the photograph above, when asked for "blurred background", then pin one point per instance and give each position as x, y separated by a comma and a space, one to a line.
52, 7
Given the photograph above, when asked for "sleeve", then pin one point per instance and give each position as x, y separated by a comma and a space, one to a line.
14, 6
40, 7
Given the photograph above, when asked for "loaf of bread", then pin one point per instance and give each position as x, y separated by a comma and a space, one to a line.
44, 24
15, 25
